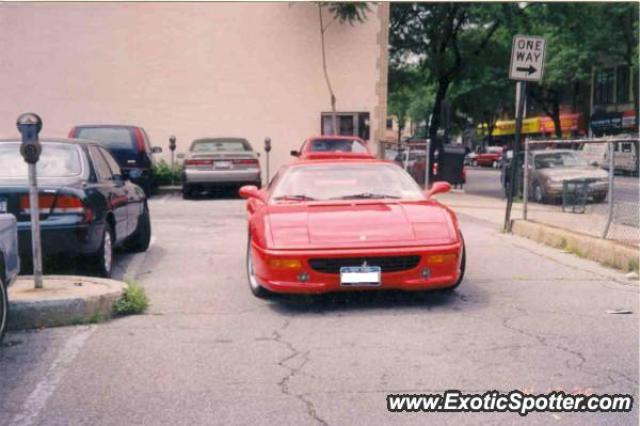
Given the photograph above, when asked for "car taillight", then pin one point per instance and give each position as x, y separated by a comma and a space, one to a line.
246, 161
72, 133
62, 204
198, 163
139, 139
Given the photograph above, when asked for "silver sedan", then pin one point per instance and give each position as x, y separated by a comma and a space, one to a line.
219, 162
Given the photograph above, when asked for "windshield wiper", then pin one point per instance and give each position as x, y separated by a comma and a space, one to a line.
365, 196
296, 197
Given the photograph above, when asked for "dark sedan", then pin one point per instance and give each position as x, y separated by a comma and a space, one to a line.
87, 207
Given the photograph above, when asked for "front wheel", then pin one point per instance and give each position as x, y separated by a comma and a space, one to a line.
538, 193
4, 308
103, 259
463, 267
254, 285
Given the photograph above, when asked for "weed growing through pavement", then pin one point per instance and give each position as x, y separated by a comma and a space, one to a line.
133, 300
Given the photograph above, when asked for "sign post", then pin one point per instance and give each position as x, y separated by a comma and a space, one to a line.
527, 64
29, 126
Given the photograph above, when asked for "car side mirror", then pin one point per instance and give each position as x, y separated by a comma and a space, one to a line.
251, 191
156, 150
258, 154
294, 153
594, 163
438, 188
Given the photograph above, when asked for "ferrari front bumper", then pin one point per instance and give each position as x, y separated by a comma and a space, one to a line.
305, 279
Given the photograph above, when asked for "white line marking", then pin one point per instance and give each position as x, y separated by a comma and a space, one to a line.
36, 402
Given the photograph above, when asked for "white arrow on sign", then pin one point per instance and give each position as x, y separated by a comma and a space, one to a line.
527, 58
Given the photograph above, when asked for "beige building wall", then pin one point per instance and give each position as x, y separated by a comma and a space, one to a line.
199, 69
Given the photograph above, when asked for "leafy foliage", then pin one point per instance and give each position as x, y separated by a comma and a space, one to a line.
133, 300
164, 174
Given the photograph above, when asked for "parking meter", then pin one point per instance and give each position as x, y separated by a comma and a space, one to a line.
29, 126
267, 150
172, 143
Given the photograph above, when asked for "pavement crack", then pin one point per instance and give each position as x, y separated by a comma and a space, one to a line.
283, 384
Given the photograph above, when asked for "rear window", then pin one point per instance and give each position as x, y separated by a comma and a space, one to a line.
116, 138
337, 145
218, 145
56, 160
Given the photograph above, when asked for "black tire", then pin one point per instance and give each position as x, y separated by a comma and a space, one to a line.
102, 261
187, 191
141, 238
463, 267
255, 287
537, 193
599, 198
4, 307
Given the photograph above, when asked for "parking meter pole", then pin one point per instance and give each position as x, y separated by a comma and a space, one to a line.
172, 148
267, 150
525, 179
36, 248
29, 126
521, 91
610, 190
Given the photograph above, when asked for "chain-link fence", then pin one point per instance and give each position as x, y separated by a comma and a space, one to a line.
584, 185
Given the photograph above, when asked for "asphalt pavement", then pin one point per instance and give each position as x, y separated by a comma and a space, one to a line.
527, 317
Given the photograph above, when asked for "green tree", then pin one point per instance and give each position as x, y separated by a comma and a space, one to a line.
441, 38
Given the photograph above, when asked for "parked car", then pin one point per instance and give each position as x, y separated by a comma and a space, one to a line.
408, 158
87, 206
488, 157
333, 146
218, 162
549, 168
341, 225
129, 145
625, 156
9, 262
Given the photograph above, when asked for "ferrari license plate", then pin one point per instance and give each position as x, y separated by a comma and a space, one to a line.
222, 164
3, 205
360, 276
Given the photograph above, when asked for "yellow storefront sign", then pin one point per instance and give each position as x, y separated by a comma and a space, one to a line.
508, 127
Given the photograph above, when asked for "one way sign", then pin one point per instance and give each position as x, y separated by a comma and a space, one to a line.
527, 58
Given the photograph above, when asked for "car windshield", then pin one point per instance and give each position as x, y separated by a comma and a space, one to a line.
217, 145
56, 160
559, 159
346, 181
116, 138
338, 145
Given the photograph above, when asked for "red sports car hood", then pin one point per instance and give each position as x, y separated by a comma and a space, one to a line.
359, 224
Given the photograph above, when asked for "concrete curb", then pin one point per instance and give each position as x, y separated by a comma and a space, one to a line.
164, 190
65, 300
606, 252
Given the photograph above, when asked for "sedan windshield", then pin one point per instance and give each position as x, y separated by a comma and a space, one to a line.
559, 159
346, 182
218, 145
56, 160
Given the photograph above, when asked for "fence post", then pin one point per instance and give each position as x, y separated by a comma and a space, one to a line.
610, 190
525, 180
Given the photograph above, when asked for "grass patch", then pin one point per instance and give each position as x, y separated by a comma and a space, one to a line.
575, 250
633, 265
133, 301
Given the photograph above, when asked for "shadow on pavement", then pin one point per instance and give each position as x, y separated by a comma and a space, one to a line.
336, 302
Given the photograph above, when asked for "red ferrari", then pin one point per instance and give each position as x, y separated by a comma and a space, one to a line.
333, 146
338, 225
